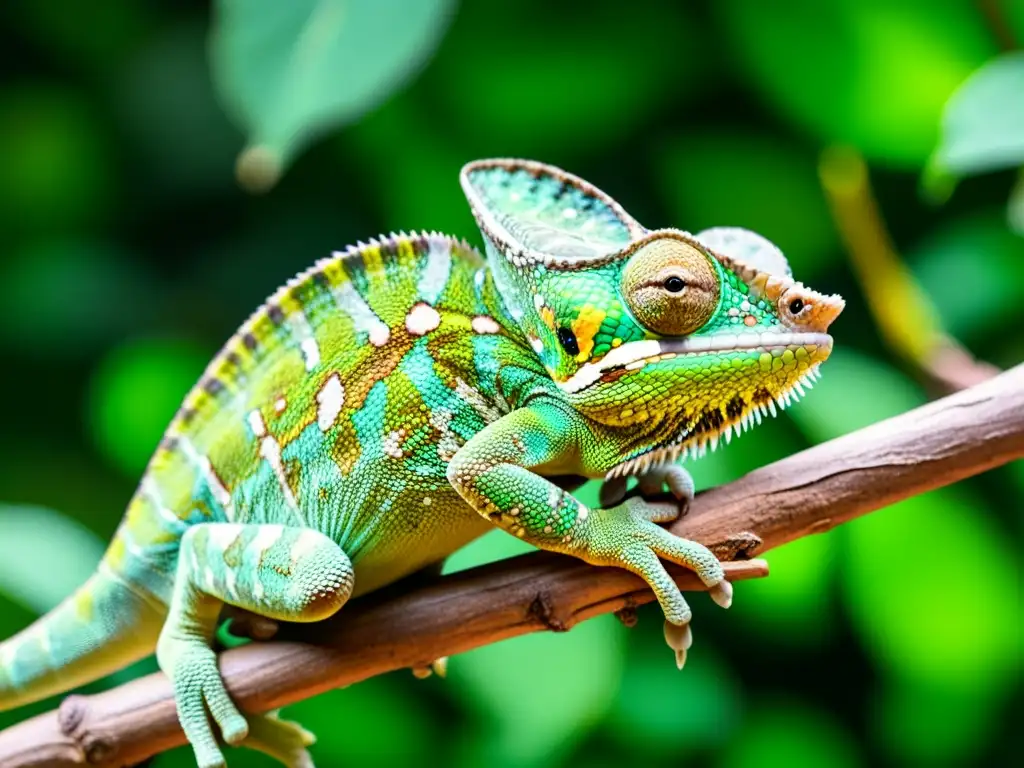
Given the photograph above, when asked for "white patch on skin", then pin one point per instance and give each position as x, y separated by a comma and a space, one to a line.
473, 397
256, 423
393, 443
436, 271
270, 450
304, 544
448, 443
257, 586
538, 301
485, 324
349, 301
569, 213
302, 331
42, 636
205, 467
280, 404
150, 491
330, 400
537, 344
553, 497
229, 582
422, 319
266, 537
222, 536
637, 351
310, 353
427, 501
208, 579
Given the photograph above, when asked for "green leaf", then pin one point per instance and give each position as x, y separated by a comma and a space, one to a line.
933, 590
983, 122
794, 605
289, 71
762, 183
785, 734
135, 392
873, 74
932, 723
986, 259
57, 166
1015, 206
89, 291
541, 692
568, 86
34, 535
672, 712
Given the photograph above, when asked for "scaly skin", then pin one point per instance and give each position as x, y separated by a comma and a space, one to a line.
396, 400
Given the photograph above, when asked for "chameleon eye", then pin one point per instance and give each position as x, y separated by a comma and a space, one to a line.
671, 286
568, 341
674, 284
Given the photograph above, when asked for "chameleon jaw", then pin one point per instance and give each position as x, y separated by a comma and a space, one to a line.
637, 354
696, 446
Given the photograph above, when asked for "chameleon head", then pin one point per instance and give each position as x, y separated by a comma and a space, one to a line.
701, 345
675, 338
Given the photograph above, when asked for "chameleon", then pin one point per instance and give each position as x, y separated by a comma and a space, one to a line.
402, 397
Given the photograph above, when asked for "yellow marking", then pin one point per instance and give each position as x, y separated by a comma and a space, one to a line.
372, 261
84, 605
585, 328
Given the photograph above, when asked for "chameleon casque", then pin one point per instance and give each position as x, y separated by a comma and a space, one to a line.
401, 398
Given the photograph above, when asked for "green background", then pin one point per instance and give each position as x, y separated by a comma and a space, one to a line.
129, 254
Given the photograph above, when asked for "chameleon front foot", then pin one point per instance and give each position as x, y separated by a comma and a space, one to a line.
651, 482
437, 666
628, 536
284, 740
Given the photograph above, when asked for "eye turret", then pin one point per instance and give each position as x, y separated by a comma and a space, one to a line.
671, 287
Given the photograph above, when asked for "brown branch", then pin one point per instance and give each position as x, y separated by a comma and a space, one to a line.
932, 446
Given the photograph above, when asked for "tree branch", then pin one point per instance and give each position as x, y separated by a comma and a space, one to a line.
932, 446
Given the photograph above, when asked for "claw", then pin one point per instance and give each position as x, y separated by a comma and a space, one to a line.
679, 638
721, 593
440, 667
437, 666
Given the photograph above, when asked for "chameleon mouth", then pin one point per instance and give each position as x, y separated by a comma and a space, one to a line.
696, 445
637, 354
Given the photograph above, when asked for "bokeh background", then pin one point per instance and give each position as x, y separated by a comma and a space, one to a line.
130, 253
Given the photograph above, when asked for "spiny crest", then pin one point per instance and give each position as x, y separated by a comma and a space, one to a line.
286, 313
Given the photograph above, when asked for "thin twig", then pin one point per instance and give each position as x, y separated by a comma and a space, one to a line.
904, 314
929, 447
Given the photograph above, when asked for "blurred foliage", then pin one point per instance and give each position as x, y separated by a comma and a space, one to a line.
130, 254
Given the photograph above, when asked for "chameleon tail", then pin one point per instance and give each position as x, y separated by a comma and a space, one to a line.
101, 628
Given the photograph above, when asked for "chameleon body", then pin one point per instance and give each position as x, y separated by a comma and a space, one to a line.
402, 397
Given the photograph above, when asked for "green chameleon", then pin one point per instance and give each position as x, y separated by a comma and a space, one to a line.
401, 398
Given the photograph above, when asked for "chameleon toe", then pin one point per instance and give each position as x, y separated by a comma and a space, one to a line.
721, 593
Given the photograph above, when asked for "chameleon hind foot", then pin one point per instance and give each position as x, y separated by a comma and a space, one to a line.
279, 572
198, 688
284, 740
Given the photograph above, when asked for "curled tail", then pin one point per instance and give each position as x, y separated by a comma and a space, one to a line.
101, 628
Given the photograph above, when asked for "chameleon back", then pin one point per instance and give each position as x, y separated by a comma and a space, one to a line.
343, 397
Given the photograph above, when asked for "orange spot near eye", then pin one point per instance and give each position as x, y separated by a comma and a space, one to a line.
585, 328
750, 321
548, 317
